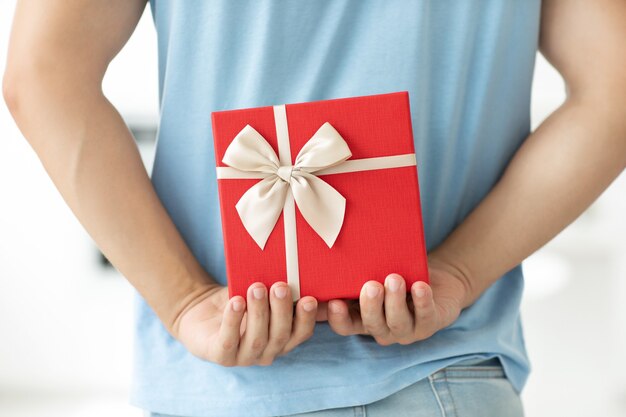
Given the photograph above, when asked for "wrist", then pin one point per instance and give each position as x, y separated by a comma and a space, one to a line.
461, 283
189, 300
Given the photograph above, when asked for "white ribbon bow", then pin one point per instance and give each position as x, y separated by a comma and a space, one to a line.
321, 205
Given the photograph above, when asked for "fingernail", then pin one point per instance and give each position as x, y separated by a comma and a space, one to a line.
419, 292
310, 306
258, 292
393, 284
280, 292
372, 291
334, 307
237, 305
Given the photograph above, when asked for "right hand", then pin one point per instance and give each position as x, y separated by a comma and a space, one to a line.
225, 332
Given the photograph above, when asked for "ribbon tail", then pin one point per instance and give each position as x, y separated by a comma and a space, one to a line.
260, 207
321, 205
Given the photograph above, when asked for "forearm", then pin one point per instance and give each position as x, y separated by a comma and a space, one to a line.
556, 174
91, 157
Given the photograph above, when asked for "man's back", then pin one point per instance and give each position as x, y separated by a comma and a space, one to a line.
468, 69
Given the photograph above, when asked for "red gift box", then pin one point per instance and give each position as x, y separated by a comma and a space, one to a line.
355, 181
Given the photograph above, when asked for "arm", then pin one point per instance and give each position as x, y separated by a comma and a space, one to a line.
568, 161
556, 174
58, 54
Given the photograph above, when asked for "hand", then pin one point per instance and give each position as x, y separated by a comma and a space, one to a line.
391, 315
225, 332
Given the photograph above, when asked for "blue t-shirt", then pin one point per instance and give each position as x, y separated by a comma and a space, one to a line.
468, 69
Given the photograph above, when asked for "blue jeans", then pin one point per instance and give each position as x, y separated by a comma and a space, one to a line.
465, 389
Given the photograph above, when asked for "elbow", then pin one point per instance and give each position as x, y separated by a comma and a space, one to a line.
25, 93
17, 86
42, 82
47, 95
10, 91
603, 97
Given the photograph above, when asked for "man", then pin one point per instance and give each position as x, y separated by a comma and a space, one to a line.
492, 192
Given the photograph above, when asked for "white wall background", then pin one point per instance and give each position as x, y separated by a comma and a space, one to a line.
66, 323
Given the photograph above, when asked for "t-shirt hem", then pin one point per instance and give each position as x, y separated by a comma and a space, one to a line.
294, 402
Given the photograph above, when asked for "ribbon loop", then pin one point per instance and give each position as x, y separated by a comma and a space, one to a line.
325, 149
249, 151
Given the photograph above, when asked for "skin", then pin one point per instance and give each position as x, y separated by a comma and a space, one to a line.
58, 54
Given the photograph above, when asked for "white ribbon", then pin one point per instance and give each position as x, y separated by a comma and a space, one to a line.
320, 204
326, 152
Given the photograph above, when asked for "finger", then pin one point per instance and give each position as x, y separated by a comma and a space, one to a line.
255, 337
425, 313
303, 324
281, 318
345, 319
372, 311
225, 349
399, 319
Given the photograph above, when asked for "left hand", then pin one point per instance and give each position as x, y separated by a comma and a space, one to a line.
390, 315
